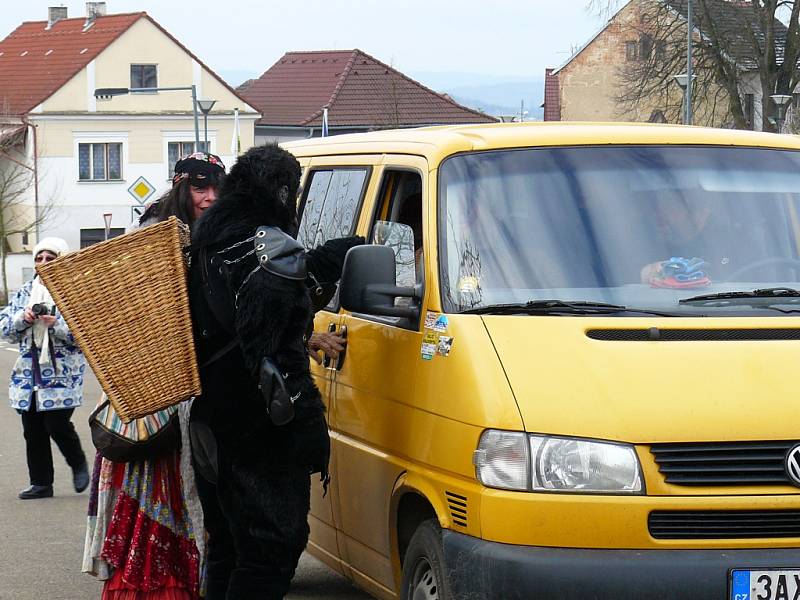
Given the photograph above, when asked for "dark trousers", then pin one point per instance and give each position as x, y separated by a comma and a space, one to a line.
256, 517
38, 427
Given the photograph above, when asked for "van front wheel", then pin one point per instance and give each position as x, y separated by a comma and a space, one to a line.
423, 565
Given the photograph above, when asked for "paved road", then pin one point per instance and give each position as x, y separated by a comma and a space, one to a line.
41, 541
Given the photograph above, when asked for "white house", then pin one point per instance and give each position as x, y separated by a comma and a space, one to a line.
94, 157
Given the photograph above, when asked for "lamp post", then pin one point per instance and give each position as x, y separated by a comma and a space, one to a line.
687, 119
107, 219
108, 93
683, 80
782, 104
205, 107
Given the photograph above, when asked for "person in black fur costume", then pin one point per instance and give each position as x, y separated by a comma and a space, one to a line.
256, 491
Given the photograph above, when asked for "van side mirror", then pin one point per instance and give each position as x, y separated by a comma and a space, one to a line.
368, 283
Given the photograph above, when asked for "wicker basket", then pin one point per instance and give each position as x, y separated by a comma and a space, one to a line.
126, 304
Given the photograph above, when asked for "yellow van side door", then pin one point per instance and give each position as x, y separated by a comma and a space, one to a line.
372, 388
334, 191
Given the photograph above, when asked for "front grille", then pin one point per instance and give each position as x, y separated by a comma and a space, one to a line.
723, 463
656, 334
711, 524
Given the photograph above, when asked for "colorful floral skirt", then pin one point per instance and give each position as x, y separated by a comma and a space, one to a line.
141, 530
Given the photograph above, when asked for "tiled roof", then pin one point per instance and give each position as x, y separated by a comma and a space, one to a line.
359, 91
35, 61
729, 17
552, 96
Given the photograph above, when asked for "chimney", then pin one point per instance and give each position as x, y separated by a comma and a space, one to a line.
55, 14
94, 9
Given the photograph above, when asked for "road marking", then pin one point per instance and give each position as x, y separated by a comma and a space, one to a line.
11, 349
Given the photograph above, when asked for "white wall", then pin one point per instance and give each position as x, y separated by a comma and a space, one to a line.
19, 268
76, 205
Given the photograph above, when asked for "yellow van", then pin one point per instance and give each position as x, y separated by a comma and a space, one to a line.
573, 361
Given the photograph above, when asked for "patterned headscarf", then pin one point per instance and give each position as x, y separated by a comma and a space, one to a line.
202, 169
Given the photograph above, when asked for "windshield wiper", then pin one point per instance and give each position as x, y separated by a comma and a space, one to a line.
554, 307
785, 294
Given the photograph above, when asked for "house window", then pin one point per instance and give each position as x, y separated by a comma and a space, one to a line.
92, 236
175, 150
100, 162
645, 46
631, 51
143, 76
750, 110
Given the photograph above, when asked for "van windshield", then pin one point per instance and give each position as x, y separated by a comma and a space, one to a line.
635, 226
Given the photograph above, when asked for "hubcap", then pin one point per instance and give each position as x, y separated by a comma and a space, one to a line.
423, 584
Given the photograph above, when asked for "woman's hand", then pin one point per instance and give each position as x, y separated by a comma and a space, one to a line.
48, 320
28, 316
329, 343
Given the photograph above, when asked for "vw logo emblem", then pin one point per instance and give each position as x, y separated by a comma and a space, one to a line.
793, 465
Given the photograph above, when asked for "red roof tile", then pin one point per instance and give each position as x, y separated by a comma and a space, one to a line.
357, 89
35, 61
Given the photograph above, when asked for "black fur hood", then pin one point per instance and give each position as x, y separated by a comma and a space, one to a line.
261, 189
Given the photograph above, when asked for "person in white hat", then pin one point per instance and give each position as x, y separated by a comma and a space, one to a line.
47, 379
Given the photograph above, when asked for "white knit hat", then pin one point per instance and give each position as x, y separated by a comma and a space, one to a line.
52, 244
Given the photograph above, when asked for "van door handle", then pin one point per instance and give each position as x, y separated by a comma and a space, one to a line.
326, 361
343, 353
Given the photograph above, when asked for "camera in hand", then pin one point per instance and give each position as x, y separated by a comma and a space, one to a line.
43, 308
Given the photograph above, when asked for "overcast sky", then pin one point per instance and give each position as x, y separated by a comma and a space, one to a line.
500, 38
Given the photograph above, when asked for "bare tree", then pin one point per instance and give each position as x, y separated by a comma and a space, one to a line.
17, 179
739, 47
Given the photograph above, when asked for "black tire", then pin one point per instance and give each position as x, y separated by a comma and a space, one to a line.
423, 565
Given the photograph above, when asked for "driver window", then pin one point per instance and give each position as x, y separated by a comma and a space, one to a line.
398, 223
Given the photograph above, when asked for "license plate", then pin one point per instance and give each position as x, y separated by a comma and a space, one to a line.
765, 584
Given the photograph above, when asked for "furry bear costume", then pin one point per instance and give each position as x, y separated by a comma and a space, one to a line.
256, 510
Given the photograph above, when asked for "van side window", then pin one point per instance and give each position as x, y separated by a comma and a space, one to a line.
331, 205
398, 223
330, 209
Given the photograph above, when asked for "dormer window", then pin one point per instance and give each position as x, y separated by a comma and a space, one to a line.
143, 76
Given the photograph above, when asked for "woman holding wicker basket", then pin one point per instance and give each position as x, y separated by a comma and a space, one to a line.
145, 528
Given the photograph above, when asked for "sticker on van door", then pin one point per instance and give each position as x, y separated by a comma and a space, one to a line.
444, 345
433, 342
436, 321
429, 341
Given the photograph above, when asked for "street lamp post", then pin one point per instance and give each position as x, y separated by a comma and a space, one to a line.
684, 81
782, 104
687, 119
205, 107
108, 93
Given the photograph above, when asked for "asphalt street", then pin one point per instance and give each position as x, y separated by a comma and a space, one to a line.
41, 541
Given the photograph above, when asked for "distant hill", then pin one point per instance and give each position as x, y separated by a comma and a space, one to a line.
492, 94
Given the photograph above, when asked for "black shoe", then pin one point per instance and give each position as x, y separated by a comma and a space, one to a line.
36, 491
80, 478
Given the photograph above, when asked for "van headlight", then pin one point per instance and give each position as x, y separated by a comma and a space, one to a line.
518, 461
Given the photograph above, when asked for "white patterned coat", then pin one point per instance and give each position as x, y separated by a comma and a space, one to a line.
62, 386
